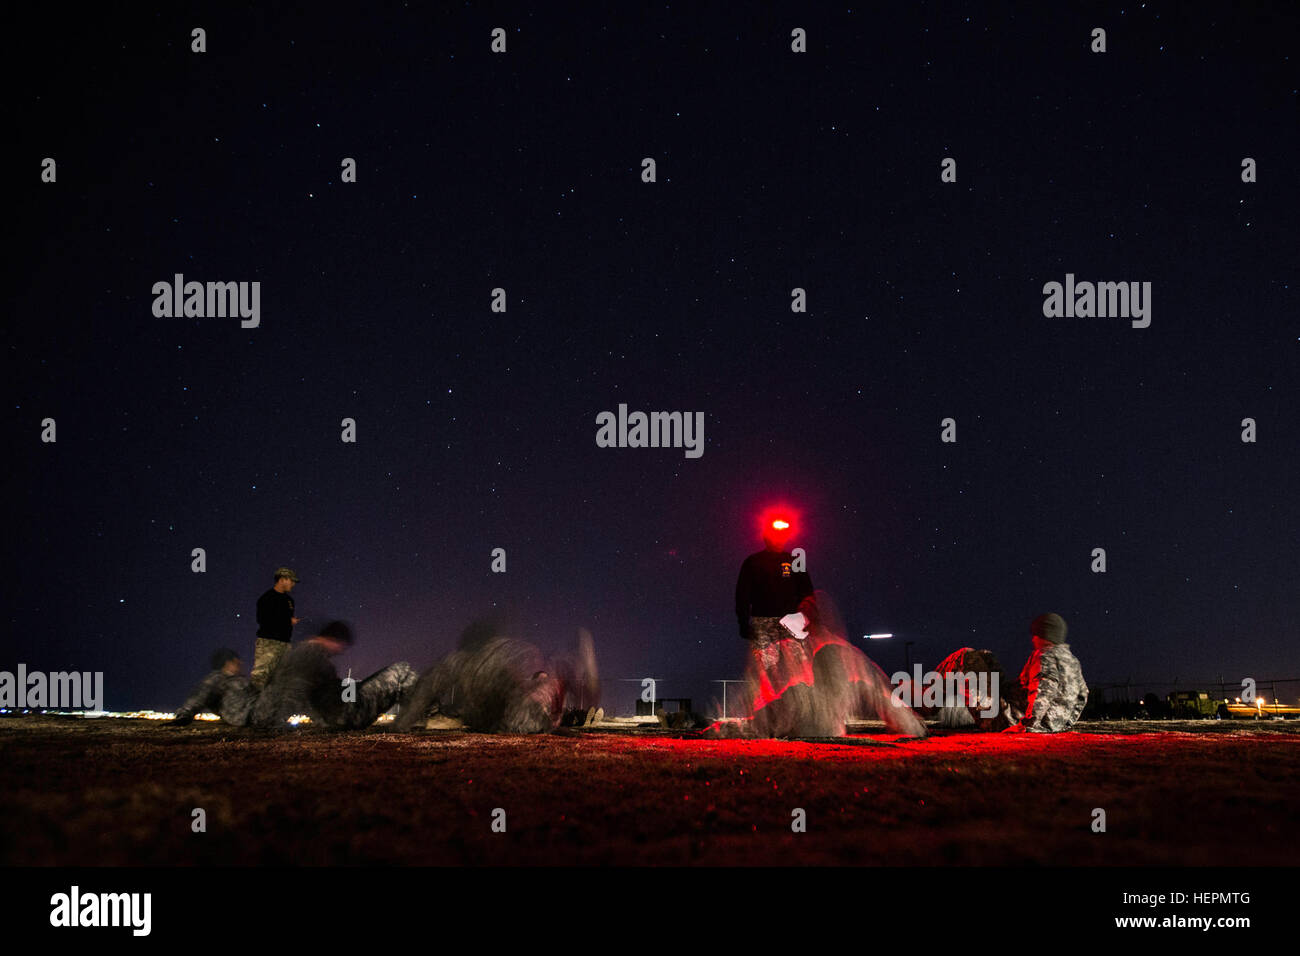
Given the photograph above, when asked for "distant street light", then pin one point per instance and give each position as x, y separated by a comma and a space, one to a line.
907, 647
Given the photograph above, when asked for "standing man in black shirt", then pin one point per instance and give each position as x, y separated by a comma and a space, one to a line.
275, 623
768, 588
781, 666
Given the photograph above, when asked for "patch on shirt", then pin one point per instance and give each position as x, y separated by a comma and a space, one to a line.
785, 569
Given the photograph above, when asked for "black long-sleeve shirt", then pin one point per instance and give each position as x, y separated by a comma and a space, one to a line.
768, 587
275, 616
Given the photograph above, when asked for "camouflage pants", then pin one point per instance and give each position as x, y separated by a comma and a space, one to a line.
779, 678
266, 655
376, 694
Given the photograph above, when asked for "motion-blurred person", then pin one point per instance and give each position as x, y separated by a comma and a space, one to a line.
306, 682
847, 683
275, 623
497, 684
225, 692
806, 681
968, 709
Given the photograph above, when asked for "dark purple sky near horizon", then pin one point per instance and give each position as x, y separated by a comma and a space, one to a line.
476, 430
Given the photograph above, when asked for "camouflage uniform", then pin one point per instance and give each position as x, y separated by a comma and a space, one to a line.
493, 685
376, 694
231, 696
1054, 689
536, 707
267, 655
780, 679
971, 712
780, 657
306, 682
1048, 698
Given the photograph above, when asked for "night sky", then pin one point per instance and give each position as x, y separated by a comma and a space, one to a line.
775, 170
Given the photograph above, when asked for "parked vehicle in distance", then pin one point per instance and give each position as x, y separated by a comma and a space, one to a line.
1193, 704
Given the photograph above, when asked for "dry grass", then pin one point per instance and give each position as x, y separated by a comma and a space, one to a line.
120, 792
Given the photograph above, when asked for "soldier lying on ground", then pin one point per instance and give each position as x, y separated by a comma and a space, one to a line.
498, 684
306, 682
225, 692
1048, 698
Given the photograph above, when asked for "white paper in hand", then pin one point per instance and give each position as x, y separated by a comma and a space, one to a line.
794, 623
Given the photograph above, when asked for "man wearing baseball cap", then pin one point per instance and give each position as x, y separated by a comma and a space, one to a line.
275, 623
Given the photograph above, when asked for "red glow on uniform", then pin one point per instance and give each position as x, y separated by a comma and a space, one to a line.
791, 670
775, 681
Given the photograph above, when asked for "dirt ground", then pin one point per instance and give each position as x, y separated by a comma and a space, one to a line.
122, 792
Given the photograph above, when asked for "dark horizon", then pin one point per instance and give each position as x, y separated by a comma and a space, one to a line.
476, 430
